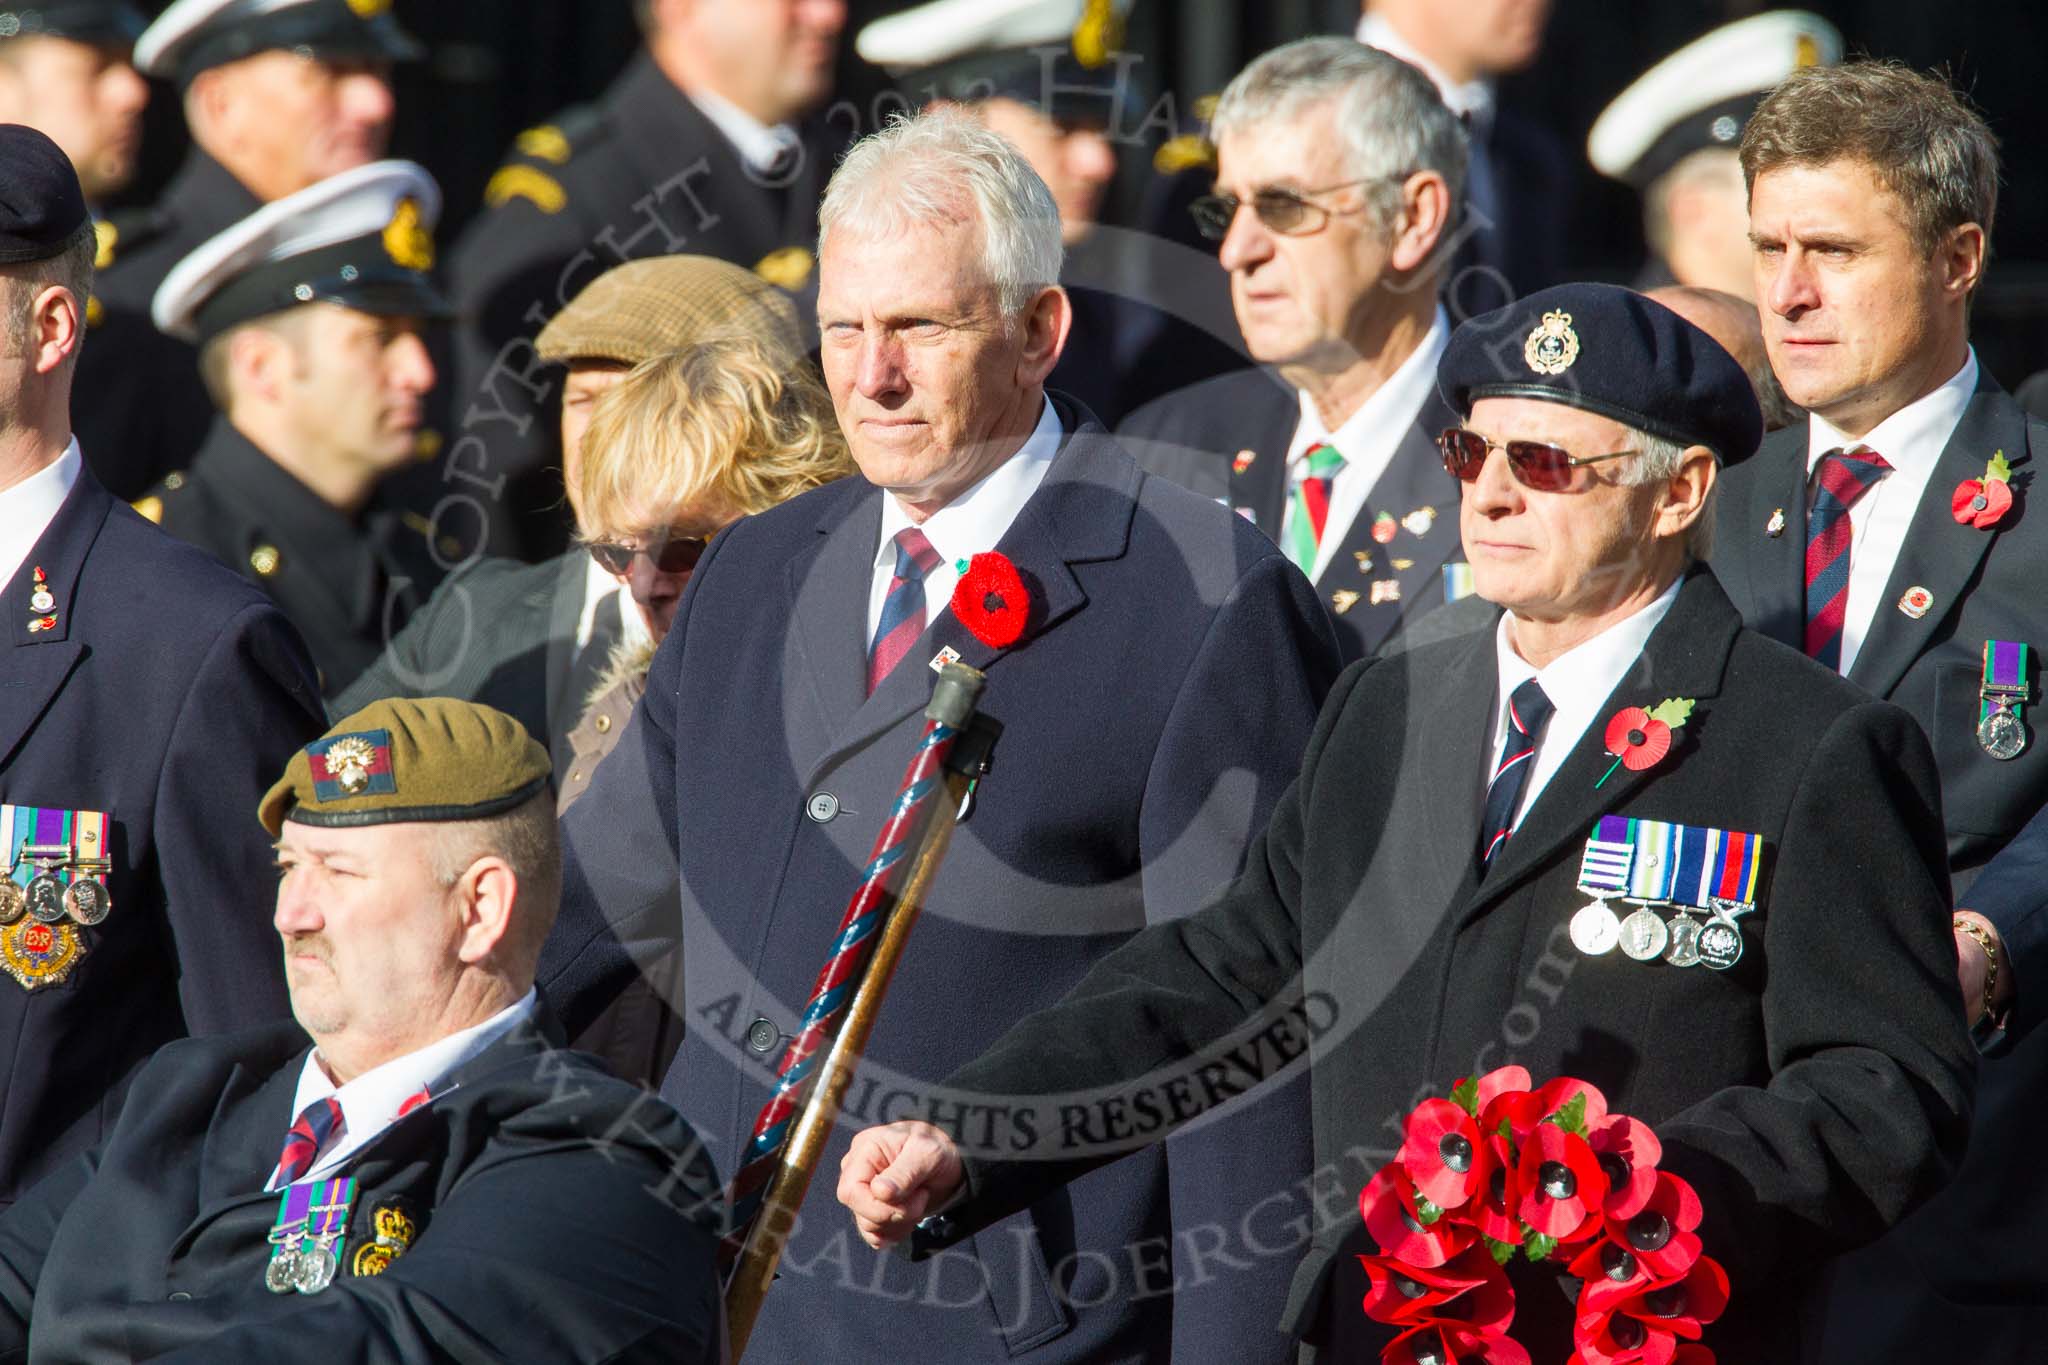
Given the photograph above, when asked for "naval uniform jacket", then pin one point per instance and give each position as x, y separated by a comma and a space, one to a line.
550, 1203
1151, 715
1813, 1093
643, 172
169, 695
141, 409
347, 584
1200, 436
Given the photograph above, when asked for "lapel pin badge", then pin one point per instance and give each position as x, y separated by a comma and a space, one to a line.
1386, 590
1775, 527
1418, 522
946, 655
1364, 561
1343, 600
1243, 461
1983, 503
43, 603
1916, 602
1384, 527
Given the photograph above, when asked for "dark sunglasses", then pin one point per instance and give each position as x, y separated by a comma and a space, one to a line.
1545, 468
1283, 211
673, 554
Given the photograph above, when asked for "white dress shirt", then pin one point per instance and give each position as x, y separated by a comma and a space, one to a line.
1911, 441
598, 584
371, 1102
760, 145
969, 525
1367, 439
1578, 683
27, 509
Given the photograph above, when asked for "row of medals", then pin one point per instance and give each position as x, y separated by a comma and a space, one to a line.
48, 898
1644, 935
305, 1264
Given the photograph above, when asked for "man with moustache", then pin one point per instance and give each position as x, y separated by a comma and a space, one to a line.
276, 97
308, 316
67, 69
1151, 713
1891, 537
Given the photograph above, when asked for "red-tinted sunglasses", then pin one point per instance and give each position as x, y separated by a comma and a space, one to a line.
1545, 468
674, 554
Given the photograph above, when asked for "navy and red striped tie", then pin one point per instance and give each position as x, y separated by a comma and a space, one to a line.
1845, 475
316, 1124
902, 619
1528, 708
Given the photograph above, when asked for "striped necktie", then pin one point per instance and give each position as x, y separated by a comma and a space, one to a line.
1845, 475
903, 609
317, 1123
1312, 506
1528, 708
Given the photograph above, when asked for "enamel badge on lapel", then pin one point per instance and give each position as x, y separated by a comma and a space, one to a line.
1775, 527
1983, 503
42, 604
946, 655
1386, 590
1418, 522
1385, 528
1916, 601
2001, 730
1243, 461
1364, 561
1343, 600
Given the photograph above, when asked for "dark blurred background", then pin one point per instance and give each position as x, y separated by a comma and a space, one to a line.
499, 66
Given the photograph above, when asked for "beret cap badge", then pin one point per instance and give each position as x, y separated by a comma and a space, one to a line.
348, 761
1552, 345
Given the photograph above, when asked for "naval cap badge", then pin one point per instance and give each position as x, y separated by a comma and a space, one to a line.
1552, 345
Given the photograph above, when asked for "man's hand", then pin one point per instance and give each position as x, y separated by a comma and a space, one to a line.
1972, 965
893, 1175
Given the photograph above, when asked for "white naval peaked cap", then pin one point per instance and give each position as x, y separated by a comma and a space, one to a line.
1702, 94
192, 35
944, 30
363, 238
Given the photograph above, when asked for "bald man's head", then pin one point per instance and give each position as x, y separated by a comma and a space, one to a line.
1734, 322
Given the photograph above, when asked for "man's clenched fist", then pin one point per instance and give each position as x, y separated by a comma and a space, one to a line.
894, 1175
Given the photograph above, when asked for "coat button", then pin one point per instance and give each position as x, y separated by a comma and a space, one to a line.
762, 1036
604, 724
180, 1296
822, 807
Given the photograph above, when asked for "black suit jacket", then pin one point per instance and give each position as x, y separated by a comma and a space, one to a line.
1151, 715
169, 695
1813, 1093
560, 1216
1199, 436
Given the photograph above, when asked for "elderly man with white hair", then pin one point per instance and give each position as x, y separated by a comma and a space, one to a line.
1152, 710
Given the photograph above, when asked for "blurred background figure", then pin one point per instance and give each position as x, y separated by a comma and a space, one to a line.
308, 316
277, 97
1053, 77
1511, 240
710, 143
67, 69
1672, 135
1733, 322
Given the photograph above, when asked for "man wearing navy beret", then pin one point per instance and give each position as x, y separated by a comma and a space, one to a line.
1794, 1038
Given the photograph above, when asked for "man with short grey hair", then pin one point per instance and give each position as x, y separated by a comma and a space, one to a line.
1152, 711
1339, 178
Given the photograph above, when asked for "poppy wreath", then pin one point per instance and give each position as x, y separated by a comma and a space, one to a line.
1550, 1174
991, 601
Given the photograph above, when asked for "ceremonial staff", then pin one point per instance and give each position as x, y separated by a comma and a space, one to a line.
788, 1142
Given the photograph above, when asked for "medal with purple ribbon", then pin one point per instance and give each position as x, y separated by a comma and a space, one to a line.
2001, 727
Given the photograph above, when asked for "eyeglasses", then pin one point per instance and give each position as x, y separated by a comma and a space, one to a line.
1289, 212
670, 554
1545, 468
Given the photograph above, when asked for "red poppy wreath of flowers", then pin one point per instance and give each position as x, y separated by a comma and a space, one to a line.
991, 601
1500, 1170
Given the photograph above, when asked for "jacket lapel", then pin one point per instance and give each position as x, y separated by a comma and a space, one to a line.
43, 655
1941, 554
1684, 657
827, 602
1407, 571
1265, 429
1768, 584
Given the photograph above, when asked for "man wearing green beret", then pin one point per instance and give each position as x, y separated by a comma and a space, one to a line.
431, 1178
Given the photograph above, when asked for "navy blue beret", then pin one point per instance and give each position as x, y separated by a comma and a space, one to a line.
1611, 351
41, 206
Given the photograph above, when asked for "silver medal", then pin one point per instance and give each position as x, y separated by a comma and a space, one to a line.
281, 1276
315, 1270
1595, 929
1685, 941
2001, 734
1721, 938
86, 901
1643, 934
46, 897
13, 904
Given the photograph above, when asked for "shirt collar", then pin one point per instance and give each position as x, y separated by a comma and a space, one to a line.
374, 1100
1391, 409
28, 508
1911, 439
1472, 101
977, 519
758, 144
1584, 676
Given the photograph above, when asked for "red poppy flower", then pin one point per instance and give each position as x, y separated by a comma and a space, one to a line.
1562, 1091
1606, 1261
1442, 1343
990, 600
1660, 1235
1981, 502
1469, 1290
1562, 1183
1443, 1154
1628, 1152
1637, 739
1497, 1212
1388, 1205
1501, 1080
1684, 1305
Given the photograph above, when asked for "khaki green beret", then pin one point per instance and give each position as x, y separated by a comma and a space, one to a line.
650, 307
401, 759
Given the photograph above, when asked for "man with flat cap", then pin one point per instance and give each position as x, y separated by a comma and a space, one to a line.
432, 1178
277, 96
66, 68
709, 143
1672, 135
147, 690
308, 316
1441, 876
